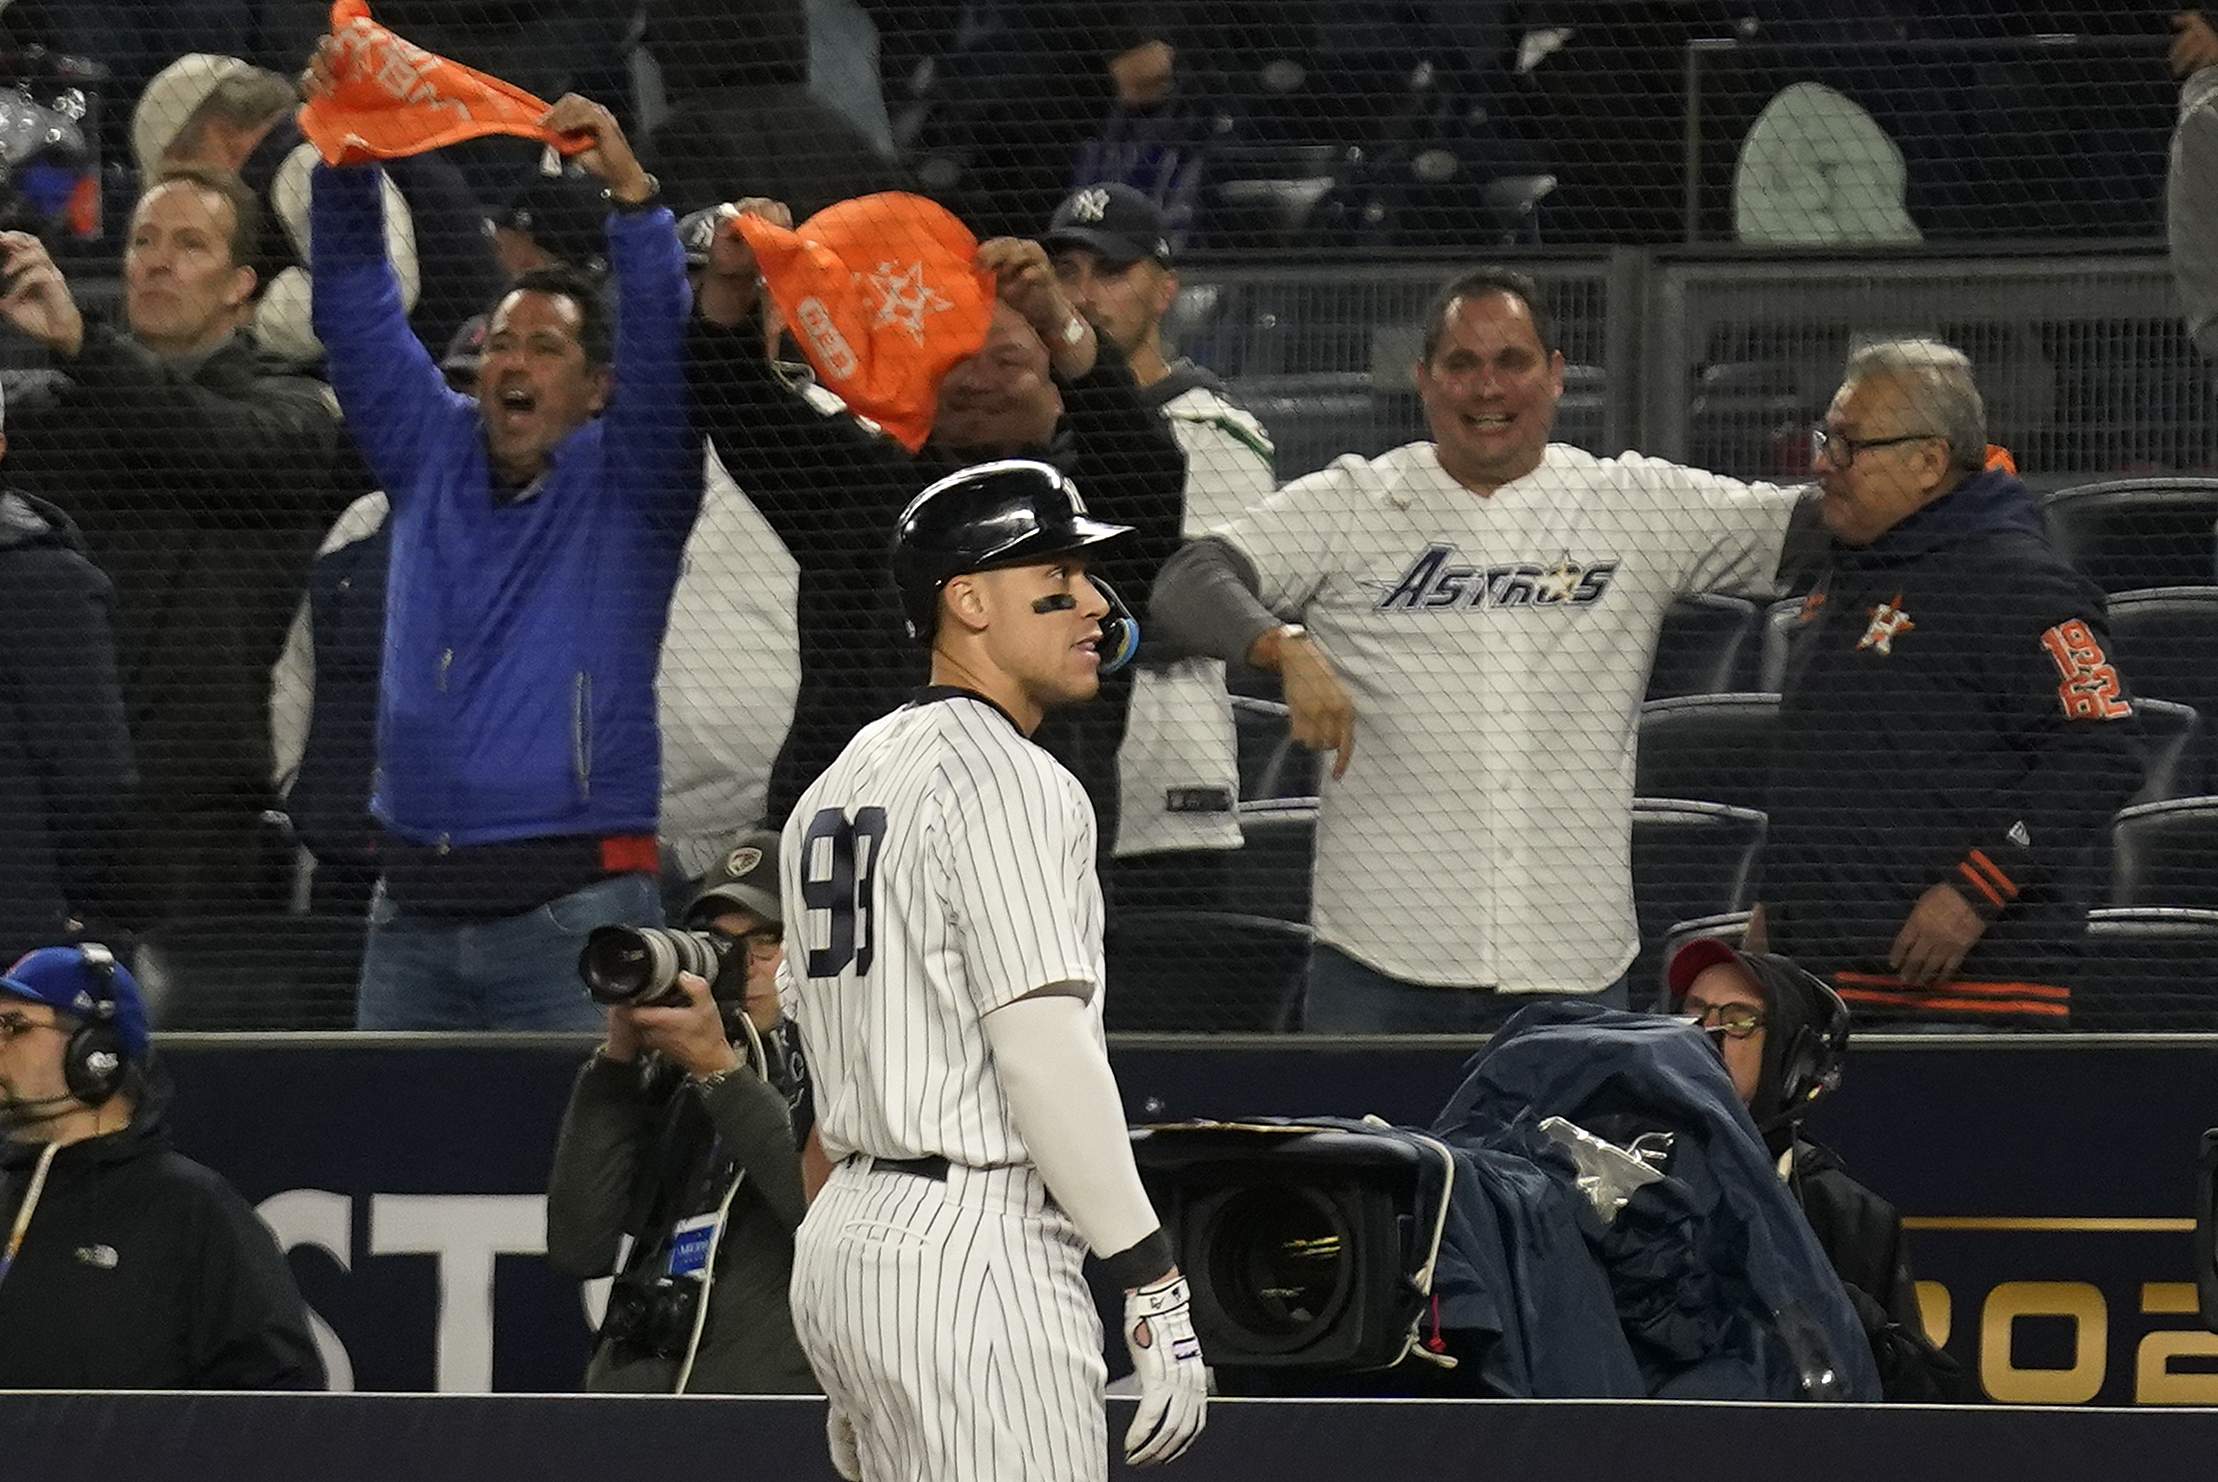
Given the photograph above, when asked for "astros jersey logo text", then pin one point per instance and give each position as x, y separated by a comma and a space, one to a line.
1430, 583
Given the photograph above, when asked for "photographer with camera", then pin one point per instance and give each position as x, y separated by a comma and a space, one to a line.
683, 1133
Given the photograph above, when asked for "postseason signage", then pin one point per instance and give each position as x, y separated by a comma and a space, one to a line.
2048, 1185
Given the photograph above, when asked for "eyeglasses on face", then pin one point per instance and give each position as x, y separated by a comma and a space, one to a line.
1734, 1020
1840, 450
15, 1026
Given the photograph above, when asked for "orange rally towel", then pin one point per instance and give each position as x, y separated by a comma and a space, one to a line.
392, 99
883, 296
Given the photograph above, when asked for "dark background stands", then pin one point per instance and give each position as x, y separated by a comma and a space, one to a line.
65, 754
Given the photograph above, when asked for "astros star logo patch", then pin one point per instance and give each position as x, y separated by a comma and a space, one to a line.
905, 299
1558, 582
1888, 622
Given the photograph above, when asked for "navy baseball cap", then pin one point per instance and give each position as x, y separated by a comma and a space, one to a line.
65, 982
1115, 221
565, 215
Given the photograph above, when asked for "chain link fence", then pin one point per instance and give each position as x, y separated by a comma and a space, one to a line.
1719, 205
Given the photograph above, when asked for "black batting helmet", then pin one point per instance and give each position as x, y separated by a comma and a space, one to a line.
1007, 513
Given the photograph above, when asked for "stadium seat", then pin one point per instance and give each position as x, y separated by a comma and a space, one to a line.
1690, 860
1259, 727
1705, 648
1779, 623
1315, 417
251, 972
2174, 752
1272, 764
1715, 748
2166, 854
2164, 641
1270, 871
1215, 972
2147, 969
2133, 534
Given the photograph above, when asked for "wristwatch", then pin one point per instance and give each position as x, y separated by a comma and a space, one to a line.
647, 202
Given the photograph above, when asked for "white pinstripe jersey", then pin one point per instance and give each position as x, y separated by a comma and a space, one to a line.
941, 868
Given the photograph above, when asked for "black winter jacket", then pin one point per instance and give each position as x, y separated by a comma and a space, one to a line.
1951, 717
202, 488
65, 753
141, 1269
1862, 1235
832, 489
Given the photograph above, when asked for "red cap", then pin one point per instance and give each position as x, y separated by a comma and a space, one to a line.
1690, 961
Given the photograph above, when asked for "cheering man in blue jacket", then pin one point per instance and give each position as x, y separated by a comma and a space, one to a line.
536, 538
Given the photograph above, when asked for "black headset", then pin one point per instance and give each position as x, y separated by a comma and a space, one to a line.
1810, 1061
93, 1063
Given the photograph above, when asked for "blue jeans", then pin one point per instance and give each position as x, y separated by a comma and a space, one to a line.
520, 972
1346, 997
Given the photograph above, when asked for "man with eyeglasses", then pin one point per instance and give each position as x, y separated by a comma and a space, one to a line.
684, 1132
1783, 1035
1953, 736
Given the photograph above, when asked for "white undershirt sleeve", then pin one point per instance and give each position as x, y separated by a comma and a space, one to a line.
1063, 1098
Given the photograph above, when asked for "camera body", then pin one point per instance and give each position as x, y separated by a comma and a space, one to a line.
639, 965
652, 1316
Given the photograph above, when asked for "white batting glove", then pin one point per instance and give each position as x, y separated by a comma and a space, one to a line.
839, 1432
1166, 1357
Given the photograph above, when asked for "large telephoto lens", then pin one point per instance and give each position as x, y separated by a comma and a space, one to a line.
639, 965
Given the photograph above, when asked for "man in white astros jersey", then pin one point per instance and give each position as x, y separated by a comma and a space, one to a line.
945, 968
1472, 621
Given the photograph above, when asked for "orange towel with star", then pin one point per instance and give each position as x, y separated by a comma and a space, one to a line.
393, 99
883, 296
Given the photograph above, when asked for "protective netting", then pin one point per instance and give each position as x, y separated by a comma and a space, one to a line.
1584, 727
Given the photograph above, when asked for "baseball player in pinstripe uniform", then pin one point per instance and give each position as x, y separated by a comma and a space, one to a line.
945, 967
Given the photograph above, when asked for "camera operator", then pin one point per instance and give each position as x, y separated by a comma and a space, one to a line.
683, 1133
1783, 1034
123, 1263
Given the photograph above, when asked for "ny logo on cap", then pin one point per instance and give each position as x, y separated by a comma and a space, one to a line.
1090, 204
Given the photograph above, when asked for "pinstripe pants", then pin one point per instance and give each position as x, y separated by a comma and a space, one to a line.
952, 1323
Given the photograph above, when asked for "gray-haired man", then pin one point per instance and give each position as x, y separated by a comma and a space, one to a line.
1953, 734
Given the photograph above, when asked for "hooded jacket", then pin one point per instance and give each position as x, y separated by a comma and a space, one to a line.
1951, 717
1860, 1232
65, 752
141, 1269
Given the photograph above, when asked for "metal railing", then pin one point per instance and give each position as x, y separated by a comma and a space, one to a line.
1724, 361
